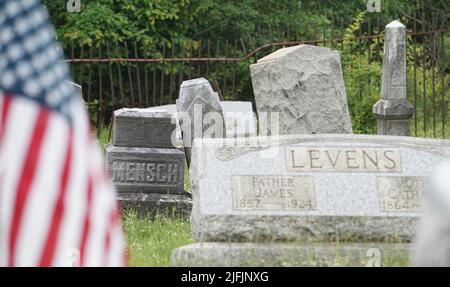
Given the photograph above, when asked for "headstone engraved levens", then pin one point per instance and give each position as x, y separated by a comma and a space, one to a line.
316, 196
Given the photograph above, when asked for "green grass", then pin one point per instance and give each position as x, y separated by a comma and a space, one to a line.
150, 241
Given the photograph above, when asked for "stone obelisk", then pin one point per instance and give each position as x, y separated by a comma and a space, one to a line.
393, 111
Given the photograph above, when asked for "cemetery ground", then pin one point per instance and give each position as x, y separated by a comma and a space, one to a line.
151, 239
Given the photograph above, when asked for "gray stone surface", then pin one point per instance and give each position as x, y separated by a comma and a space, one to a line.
433, 242
304, 84
215, 254
156, 204
240, 120
311, 187
151, 127
393, 110
196, 100
146, 170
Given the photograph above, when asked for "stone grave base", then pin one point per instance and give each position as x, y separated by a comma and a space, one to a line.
154, 203
214, 254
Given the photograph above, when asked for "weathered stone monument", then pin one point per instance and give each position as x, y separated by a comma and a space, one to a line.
200, 113
150, 127
304, 84
240, 120
433, 240
145, 161
393, 111
307, 200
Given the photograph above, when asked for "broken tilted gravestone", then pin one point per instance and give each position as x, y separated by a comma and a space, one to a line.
199, 112
304, 84
329, 192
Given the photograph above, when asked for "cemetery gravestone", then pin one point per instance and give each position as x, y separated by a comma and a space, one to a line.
239, 119
196, 102
150, 127
146, 167
393, 111
300, 200
304, 84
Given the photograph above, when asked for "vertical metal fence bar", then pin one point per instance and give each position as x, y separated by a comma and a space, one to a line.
234, 68
181, 72
130, 78
225, 71
80, 77
119, 70
155, 65
433, 66
332, 33
342, 35
216, 65
72, 56
324, 43
190, 73
288, 32
260, 35
199, 55
208, 51
270, 39
146, 74
442, 61
414, 38
369, 54
111, 84
359, 58
171, 79
100, 93
90, 75
425, 114
161, 88
138, 74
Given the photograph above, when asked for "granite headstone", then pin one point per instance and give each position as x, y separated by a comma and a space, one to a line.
304, 84
316, 189
393, 110
196, 102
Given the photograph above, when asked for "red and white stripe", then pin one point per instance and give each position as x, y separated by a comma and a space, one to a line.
57, 206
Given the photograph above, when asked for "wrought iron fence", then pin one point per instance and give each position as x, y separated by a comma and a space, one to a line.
115, 75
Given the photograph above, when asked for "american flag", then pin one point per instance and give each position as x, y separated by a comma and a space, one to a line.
57, 205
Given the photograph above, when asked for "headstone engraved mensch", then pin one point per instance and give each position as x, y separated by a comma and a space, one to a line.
340, 195
146, 169
144, 161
